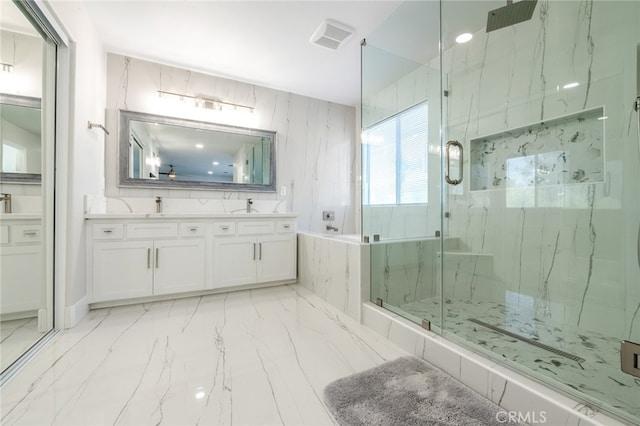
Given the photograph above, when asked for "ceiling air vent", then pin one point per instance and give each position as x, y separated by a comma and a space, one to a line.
331, 34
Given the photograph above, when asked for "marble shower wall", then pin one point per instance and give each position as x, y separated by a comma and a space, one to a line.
315, 139
569, 247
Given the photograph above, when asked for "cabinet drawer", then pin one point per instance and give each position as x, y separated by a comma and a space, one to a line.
152, 230
224, 228
192, 229
285, 226
108, 231
25, 234
264, 227
4, 234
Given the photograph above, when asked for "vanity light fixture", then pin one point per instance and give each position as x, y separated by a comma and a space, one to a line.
571, 85
205, 103
463, 38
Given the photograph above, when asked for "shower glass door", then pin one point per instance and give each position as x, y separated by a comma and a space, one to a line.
401, 164
541, 265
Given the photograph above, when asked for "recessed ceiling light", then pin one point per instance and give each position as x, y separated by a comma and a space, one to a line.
199, 146
571, 85
464, 37
215, 163
210, 172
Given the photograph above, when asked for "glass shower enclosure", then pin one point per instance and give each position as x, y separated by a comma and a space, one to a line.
501, 182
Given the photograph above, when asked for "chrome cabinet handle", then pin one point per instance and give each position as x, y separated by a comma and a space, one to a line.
254, 251
193, 229
224, 228
157, 257
260, 251
287, 226
447, 176
107, 231
30, 233
148, 258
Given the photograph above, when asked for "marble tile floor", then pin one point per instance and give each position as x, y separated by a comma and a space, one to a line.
598, 376
249, 357
16, 337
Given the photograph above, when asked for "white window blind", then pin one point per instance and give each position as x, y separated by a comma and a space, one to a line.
395, 159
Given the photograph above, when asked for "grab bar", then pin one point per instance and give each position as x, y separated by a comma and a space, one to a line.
447, 176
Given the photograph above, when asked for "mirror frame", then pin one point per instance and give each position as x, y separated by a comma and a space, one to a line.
123, 154
28, 102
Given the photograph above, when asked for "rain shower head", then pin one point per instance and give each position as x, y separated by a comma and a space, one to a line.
511, 14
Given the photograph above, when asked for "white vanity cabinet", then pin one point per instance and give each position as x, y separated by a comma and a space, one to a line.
130, 257
250, 252
145, 258
21, 266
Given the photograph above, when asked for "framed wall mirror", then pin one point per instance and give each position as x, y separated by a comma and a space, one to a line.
21, 135
169, 152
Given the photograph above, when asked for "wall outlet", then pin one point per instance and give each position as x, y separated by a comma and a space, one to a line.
283, 190
328, 215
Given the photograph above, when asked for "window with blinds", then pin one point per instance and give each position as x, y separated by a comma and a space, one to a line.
395, 159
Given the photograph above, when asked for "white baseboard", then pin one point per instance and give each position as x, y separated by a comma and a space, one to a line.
74, 313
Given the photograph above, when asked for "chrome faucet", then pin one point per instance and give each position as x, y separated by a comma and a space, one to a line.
249, 203
332, 228
158, 204
7, 202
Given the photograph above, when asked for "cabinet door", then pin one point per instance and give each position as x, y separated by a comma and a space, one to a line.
277, 258
234, 261
178, 266
22, 278
121, 270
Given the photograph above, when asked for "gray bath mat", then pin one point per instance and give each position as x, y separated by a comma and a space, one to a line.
408, 391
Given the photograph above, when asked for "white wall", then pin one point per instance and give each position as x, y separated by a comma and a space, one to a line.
315, 139
85, 162
24, 52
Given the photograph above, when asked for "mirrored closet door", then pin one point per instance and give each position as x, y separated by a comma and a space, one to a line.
27, 113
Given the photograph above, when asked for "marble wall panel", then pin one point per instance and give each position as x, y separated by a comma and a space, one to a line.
570, 246
315, 139
333, 269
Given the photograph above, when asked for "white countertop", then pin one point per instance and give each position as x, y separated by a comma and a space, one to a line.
20, 216
98, 216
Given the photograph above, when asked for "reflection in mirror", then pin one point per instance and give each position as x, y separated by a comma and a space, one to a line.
27, 100
20, 134
159, 151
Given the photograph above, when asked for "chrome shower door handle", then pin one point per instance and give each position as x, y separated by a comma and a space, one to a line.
447, 151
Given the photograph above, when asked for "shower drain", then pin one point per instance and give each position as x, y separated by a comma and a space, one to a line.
529, 341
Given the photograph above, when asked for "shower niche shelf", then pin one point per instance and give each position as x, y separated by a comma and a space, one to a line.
559, 151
